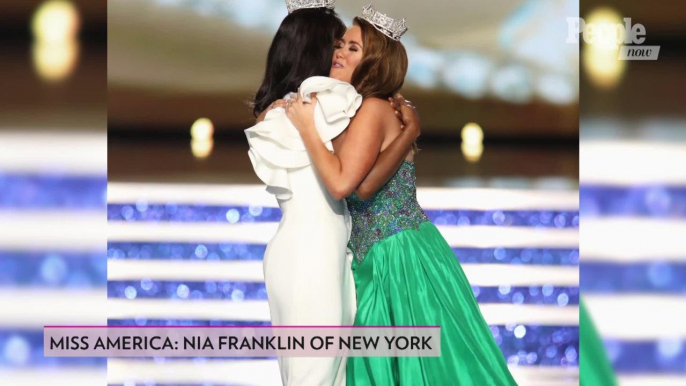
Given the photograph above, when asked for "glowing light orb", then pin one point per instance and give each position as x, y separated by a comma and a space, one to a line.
601, 58
472, 133
202, 130
520, 332
472, 142
472, 152
55, 61
17, 351
56, 21
202, 149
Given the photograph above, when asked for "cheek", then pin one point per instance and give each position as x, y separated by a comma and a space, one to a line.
355, 61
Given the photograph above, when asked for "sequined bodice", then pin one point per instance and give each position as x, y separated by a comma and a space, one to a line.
393, 209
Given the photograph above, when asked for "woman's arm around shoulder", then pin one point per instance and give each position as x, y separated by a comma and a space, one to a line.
393, 156
275, 104
342, 172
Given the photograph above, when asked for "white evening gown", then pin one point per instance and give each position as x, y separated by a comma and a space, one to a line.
306, 264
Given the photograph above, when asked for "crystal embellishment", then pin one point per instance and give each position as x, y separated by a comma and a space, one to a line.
393, 209
393, 28
294, 5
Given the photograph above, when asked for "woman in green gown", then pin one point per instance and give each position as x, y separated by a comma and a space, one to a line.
405, 272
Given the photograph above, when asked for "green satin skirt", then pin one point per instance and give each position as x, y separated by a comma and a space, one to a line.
413, 279
594, 366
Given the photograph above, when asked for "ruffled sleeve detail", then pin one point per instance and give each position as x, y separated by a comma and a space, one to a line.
275, 144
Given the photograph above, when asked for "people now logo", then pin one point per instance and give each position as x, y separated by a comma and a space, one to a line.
627, 36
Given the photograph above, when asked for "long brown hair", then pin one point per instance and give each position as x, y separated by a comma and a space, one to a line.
381, 72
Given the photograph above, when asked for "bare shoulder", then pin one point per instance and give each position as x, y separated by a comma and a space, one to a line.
370, 117
371, 110
374, 111
376, 106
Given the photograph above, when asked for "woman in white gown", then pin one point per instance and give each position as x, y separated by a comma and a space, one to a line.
307, 270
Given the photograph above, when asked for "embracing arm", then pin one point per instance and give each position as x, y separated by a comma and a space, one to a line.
341, 173
275, 104
392, 157
387, 164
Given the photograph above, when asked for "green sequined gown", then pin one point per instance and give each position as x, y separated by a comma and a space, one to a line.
406, 274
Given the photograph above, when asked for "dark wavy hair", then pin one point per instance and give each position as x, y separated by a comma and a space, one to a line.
302, 47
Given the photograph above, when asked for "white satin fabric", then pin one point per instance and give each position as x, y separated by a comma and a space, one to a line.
307, 264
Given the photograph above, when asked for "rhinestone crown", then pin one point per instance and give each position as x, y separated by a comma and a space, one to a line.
393, 28
294, 5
